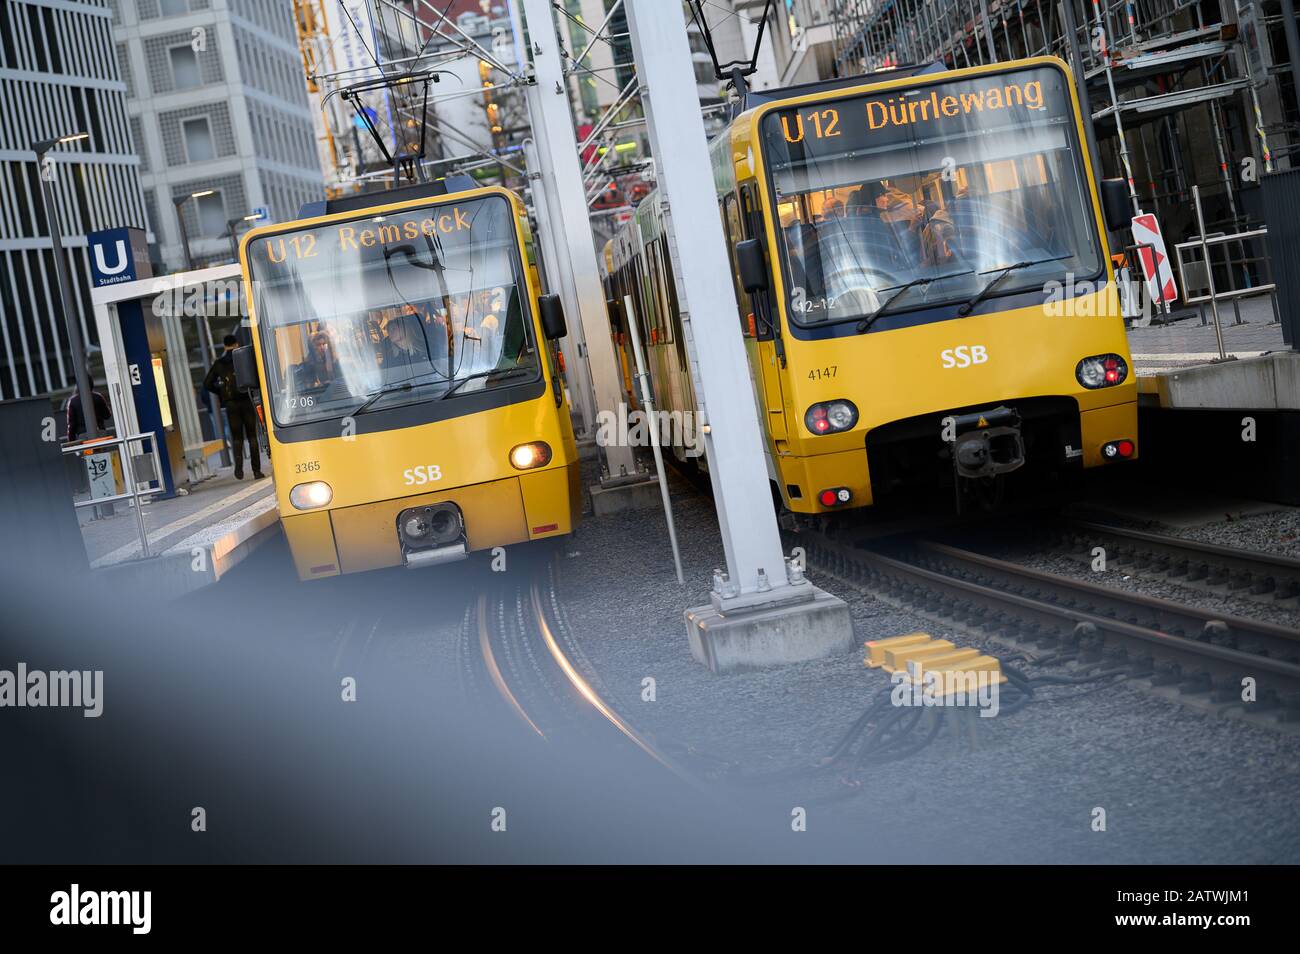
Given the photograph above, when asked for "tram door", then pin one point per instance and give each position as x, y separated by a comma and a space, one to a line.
765, 327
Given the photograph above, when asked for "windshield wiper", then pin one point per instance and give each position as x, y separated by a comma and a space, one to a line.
968, 306
505, 373
868, 321
376, 395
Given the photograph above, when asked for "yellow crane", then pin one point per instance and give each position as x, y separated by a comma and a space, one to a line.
317, 55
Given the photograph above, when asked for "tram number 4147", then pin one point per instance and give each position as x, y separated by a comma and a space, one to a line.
427, 474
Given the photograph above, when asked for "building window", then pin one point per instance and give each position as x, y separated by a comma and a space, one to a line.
175, 8
212, 214
185, 67
197, 134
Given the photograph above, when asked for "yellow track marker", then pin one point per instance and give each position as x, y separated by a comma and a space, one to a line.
876, 648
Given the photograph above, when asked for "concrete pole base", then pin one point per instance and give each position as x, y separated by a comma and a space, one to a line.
772, 636
629, 495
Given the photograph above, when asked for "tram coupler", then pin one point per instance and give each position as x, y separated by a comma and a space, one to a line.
987, 443
432, 535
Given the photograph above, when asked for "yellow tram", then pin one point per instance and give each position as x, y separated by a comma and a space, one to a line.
922, 281
407, 366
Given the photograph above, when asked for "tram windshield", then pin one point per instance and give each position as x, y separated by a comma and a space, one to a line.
391, 309
922, 196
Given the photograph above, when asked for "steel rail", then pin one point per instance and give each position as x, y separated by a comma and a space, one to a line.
1167, 616
1256, 572
1196, 664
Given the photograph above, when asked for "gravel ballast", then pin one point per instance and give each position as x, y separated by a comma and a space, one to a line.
1176, 785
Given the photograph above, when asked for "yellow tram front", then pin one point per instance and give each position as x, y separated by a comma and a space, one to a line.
409, 382
939, 286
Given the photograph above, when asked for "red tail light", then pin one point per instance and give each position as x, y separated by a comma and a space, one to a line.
834, 496
1118, 450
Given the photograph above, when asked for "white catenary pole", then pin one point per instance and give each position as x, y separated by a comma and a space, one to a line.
762, 612
573, 228
730, 420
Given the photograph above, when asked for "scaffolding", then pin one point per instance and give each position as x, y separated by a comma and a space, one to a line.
1183, 93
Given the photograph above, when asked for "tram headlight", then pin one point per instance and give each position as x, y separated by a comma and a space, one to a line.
830, 417
528, 456
1101, 371
311, 495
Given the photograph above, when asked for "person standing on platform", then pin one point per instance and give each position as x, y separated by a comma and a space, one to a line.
76, 421
239, 409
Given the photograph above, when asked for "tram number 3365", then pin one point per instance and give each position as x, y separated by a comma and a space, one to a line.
428, 474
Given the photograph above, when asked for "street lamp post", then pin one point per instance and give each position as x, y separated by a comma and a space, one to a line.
232, 224
64, 295
178, 201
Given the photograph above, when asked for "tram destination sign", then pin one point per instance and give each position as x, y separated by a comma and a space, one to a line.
925, 112
429, 232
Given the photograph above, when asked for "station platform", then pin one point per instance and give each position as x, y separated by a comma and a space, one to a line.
193, 539
1158, 349
1178, 364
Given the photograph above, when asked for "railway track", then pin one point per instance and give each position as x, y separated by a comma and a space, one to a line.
1265, 577
1202, 657
517, 646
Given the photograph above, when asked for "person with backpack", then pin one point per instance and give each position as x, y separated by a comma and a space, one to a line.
239, 409
76, 420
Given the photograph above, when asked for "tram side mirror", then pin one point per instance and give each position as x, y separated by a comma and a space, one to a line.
551, 311
753, 270
1114, 204
245, 362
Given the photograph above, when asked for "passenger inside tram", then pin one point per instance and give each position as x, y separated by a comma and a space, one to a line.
404, 353
320, 368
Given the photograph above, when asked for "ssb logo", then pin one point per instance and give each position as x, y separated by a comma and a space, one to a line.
963, 356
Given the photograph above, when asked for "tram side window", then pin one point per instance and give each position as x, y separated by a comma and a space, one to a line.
658, 291
652, 289
670, 296
646, 286
638, 303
